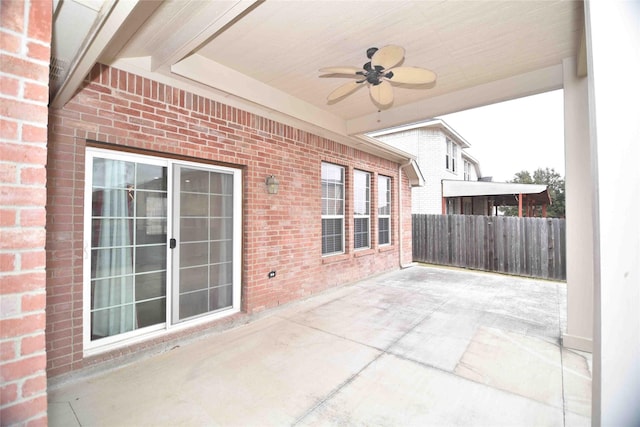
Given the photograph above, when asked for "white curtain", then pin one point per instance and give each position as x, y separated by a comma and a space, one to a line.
113, 292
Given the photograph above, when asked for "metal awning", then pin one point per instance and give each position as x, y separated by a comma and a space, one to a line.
503, 193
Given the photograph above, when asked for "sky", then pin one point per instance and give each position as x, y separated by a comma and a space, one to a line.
512, 136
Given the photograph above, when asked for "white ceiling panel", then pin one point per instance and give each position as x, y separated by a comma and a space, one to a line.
282, 44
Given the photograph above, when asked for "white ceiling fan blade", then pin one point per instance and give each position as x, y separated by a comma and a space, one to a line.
343, 90
382, 94
340, 70
388, 56
412, 75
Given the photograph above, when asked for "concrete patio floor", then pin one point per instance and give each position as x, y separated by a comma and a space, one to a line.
420, 346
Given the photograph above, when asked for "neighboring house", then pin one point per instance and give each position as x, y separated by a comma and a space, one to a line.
441, 155
453, 181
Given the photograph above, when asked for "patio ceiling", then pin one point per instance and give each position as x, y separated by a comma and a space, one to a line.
264, 56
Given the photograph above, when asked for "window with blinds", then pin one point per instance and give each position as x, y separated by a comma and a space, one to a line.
332, 177
384, 210
361, 209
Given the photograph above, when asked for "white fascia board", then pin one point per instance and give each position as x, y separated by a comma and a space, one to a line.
455, 135
392, 152
413, 172
531, 83
405, 127
470, 158
425, 124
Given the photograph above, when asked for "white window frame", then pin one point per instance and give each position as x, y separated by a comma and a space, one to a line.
366, 199
467, 170
451, 155
388, 203
334, 216
138, 335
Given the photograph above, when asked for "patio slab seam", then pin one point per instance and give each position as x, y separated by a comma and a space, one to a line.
453, 374
388, 350
352, 378
335, 391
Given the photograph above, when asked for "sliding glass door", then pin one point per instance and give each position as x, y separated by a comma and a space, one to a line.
162, 244
204, 229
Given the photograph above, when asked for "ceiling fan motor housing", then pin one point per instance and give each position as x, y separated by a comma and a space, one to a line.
373, 75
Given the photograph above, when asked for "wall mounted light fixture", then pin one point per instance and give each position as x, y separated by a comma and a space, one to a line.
272, 184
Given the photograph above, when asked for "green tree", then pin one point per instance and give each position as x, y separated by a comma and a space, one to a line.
554, 183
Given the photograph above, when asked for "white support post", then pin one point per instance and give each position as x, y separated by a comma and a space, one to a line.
612, 34
579, 207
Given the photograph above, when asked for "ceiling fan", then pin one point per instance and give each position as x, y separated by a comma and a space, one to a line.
378, 74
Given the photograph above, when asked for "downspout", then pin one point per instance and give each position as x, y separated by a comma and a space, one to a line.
400, 218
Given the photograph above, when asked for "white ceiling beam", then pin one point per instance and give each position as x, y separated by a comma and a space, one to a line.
210, 73
200, 29
582, 56
140, 66
531, 83
114, 21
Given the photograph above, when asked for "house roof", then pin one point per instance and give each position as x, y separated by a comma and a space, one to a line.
504, 193
264, 56
435, 123
416, 179
431, 123
474, 162
470, 158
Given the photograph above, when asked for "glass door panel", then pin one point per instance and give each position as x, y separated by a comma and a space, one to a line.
128, 246
203, 281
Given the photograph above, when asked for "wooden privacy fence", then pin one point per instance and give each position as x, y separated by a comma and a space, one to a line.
534, 247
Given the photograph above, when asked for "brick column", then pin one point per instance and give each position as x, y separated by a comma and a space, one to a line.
25, 44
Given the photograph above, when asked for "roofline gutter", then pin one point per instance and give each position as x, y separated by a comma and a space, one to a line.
392, 152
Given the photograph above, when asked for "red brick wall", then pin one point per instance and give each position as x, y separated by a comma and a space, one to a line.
25, 40
281, 232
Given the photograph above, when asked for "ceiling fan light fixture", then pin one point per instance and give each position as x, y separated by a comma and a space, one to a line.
378, 74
